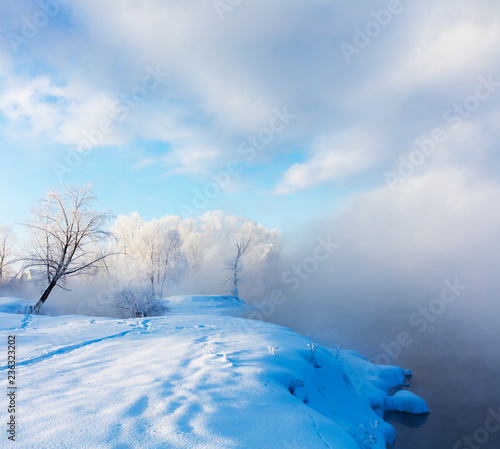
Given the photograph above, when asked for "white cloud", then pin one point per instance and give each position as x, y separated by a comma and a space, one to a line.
225, 77
38, 108
444, 49
31, 103
194, 158
333, 158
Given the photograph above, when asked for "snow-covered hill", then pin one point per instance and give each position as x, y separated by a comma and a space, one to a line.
190, 381
201, 305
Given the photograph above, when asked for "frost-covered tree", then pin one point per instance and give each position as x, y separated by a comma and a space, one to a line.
191, 242
125, 229
234, 265
205, 243
7, 243
157, 249
66, 233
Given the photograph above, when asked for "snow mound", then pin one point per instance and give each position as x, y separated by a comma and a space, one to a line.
23, 306
408, 402
15, 305
201, 305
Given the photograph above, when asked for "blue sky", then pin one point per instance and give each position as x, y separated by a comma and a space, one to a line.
184, 84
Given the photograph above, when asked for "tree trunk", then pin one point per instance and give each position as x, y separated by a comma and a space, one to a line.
44, 296
235, 287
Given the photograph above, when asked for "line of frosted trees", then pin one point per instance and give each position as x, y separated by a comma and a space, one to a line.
165, 252
69, 238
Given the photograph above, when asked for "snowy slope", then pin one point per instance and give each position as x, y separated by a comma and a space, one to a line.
199, 305
189, 381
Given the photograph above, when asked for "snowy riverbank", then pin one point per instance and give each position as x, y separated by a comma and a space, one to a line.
191, 380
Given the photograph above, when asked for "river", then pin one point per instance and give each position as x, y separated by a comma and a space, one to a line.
454, 357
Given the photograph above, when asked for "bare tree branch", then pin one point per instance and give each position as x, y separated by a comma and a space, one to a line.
66, 233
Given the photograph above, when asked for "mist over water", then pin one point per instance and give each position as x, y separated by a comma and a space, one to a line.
418, 267
454, 360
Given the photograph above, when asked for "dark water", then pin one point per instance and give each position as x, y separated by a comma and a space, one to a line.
460, 383
455, 362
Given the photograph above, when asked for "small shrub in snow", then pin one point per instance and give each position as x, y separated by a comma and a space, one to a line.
272, 349
312, 346
366, 438
137, 302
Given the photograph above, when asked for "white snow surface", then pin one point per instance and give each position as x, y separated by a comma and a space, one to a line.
199, 305
189, 380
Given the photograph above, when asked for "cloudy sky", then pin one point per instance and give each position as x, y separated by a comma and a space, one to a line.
285, 111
